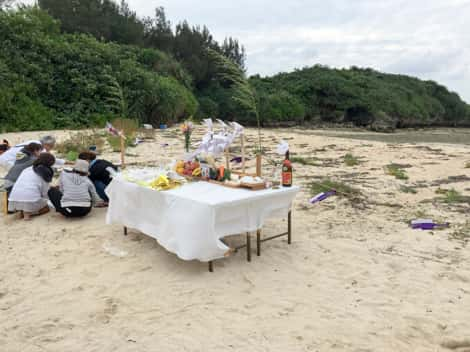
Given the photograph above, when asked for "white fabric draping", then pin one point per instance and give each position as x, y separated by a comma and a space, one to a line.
190, 220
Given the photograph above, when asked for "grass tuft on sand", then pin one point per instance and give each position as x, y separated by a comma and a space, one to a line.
452, 196
342, 189
78, 143
351, 160
303, 161
396, 171
408, 189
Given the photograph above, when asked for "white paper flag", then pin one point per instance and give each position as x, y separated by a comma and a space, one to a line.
282, 148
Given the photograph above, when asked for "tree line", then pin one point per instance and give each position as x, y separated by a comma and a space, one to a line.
77, 63
355, 96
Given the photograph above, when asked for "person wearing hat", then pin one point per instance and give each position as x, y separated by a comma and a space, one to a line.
76, 194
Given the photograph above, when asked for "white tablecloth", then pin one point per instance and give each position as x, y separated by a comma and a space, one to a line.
190, 220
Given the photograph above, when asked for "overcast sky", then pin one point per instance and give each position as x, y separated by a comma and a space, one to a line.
429, 39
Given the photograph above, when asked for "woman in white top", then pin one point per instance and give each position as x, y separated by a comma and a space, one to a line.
29, 194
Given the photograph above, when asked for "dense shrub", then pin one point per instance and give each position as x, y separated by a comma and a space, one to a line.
73, 80
280, 106
85, 72
363, 97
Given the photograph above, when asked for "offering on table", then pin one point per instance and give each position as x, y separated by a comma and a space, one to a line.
205, 171
250, 180
163, 183
160, 179
188, 168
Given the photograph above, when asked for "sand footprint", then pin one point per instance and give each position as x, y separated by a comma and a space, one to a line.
110, 309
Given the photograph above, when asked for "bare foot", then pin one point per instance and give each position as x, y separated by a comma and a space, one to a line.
27, 216
101, 205
19, 215
44, 210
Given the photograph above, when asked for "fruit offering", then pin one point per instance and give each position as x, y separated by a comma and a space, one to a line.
188, 168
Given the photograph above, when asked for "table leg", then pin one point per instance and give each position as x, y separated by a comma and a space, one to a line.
258, 243
248, 247
289, 227
211, 266
125, 231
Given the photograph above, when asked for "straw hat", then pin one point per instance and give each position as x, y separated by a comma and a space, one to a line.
81, 166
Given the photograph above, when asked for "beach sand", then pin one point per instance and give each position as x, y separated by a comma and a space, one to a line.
355, 278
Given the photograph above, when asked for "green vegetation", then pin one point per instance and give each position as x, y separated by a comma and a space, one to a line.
441, 191
407, 189
72, 64
397, 171
351, 160
342, 189
72, 155
78, 143
362, 97
129, 127
53, 80
303, 161
452, 196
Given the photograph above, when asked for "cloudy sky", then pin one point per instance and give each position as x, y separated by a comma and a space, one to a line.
429, 39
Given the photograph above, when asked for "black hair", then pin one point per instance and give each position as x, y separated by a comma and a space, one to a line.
88, 156
33, 147
4, 146
45, 159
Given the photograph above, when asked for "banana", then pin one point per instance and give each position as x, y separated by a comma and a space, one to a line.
197, 172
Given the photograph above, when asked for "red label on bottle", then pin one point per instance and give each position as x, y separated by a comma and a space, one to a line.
287, 178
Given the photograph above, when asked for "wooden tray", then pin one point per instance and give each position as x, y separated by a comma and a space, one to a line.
223, 184
253, 187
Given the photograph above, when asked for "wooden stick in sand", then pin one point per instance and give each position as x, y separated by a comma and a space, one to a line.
5, 203
227, 158
242, 138
258, 164
123, 148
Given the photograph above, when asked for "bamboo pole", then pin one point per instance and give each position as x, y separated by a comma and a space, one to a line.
258, 165
5, 203
227, 158
123, 149
242, 138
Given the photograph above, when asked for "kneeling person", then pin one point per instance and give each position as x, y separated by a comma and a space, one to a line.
76, 194
24, 159
29, 194
99, 174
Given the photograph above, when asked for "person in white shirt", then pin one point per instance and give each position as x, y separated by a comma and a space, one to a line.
29, 194
8, 158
